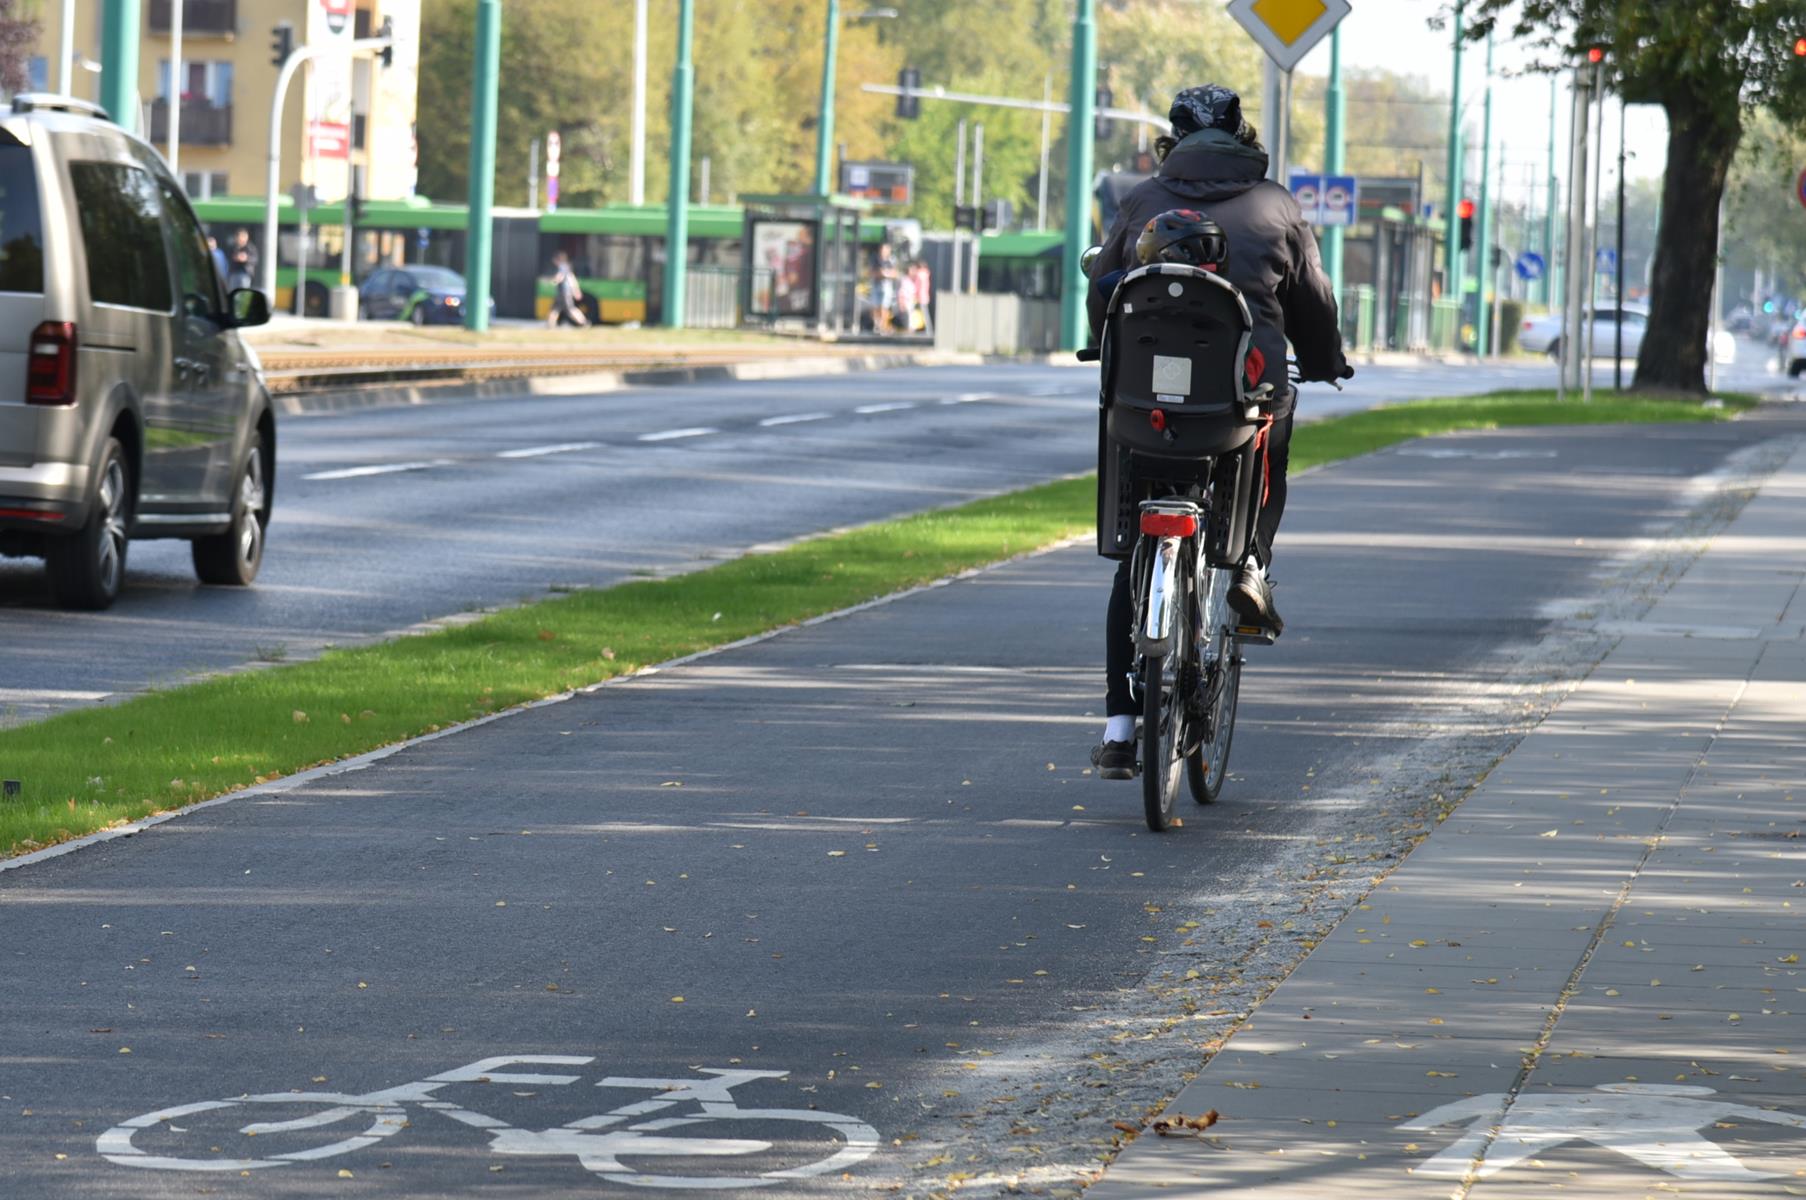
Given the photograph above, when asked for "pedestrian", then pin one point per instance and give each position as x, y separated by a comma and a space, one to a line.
887, 287
241, 261
567, 295
219, 257
906, 301
924, 281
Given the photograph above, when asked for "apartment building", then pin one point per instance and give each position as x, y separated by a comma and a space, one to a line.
344, 119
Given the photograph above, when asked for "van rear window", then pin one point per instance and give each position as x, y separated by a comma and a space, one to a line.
21, 231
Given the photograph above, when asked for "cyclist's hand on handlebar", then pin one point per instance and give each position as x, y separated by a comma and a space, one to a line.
1090, 353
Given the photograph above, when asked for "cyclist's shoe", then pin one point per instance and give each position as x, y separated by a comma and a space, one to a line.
1252, 599
1114, 760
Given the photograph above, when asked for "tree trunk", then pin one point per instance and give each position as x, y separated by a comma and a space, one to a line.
1702, 139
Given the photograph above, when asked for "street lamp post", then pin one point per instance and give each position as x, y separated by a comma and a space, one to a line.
119, 62
824, 126
1079, 127
636, 169
1451, 272
1333, 146
1483, 272
677, 222
485, 79
175, 87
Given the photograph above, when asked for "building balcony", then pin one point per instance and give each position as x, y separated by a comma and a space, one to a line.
203, 124
200, 18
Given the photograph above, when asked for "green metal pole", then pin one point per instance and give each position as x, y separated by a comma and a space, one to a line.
1075, 328
1550, 290
1333, 139
1451, 270
824, 128
486, 71
119, 62
1483, 260
677, 228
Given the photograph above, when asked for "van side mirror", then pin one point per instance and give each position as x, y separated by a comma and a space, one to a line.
248, 307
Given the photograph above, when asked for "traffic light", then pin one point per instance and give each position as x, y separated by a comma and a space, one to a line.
1465, 210
909, 105
1595, 54
1105, 97
282, 42
1799, 47
997, 214
387, 54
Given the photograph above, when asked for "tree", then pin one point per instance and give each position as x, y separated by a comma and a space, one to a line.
18, 36
1765, 226
1709, 64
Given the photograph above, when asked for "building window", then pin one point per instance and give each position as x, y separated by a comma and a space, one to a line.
206, 82
204, 185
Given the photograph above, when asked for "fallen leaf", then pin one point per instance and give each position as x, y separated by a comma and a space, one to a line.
677, 999
1169, 1126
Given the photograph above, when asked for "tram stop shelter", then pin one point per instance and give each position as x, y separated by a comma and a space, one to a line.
801, 255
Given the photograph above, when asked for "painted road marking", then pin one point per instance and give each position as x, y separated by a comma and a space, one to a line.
1489, 455
380, 469
671, 435
539, 451
894, 406
1657, 1124
970, 398
794, 419
710, 1100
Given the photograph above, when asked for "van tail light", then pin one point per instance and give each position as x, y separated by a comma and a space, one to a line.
1156, 524
50, 364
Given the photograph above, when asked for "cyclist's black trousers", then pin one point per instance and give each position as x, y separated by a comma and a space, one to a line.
1119, 621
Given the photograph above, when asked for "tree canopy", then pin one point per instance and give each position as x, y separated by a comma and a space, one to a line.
1710, 64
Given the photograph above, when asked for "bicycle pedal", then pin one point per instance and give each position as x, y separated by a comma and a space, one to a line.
1257, 635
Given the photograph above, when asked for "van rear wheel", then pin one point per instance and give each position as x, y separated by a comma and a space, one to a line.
87, 568
232, 558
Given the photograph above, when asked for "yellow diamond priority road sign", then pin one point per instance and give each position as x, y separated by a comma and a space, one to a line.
1288, 29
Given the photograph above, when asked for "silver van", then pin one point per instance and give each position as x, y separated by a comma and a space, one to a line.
128, 406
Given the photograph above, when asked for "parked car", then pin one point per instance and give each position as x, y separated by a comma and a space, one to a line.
420, 293
128, 406
1542, 334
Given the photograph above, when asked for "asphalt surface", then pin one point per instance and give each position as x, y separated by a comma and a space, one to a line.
864, 853
388, 518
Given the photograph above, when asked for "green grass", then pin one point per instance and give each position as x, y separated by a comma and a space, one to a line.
93, 768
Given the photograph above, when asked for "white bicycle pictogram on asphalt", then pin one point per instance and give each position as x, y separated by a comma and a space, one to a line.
601, 1143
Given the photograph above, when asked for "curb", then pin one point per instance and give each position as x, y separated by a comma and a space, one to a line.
395, 395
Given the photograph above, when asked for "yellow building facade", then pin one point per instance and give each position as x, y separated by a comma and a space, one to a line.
344, 118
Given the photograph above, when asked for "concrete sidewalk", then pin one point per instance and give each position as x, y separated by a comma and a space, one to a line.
1587, 981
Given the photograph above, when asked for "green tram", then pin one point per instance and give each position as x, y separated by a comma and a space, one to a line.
618, 251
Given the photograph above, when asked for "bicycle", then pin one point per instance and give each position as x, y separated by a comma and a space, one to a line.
599, 1143
1182, 415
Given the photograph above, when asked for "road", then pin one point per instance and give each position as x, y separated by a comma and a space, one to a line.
388, 518
865, 854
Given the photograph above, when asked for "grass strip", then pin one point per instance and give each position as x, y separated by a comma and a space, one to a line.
93, 768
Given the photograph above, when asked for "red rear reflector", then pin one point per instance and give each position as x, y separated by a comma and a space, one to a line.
1529, 324
50, 364
1157, 419
1255, 365
1168, 524
1799, 333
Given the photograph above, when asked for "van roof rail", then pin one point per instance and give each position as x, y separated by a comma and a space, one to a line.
26, 102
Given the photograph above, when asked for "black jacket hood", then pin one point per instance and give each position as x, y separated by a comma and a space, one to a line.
1212, 165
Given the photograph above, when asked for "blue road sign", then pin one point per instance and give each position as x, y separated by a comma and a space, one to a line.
1338, 200
1605, 260
1307, 189
1529, 266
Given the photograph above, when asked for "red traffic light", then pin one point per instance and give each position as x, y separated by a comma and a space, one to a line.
1799, 47
1595, 54
1465, 209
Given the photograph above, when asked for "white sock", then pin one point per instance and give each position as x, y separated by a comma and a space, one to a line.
1119, 729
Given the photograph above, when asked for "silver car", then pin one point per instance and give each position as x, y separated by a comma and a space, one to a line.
128, 406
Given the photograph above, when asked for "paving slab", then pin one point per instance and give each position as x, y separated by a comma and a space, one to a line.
1642, 944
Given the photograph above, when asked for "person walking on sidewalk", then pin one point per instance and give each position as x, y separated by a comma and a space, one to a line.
567, 295
1215, 165
241, 261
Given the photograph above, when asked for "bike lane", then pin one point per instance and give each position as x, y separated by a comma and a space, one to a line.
865, 853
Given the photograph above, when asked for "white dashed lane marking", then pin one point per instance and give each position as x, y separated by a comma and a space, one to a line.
540, 451
672, 435
794, 419
379, 469
867, 410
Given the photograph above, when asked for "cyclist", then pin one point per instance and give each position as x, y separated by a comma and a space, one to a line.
1214, 168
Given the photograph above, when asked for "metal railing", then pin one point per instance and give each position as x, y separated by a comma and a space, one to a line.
199, 17
203, 124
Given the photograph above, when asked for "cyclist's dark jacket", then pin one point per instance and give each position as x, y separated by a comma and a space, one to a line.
1272, 253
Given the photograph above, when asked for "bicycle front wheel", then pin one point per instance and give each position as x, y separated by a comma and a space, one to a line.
213, 1135
1208, 766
